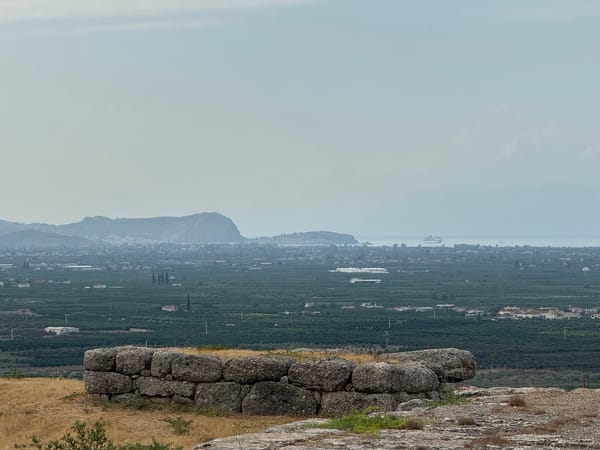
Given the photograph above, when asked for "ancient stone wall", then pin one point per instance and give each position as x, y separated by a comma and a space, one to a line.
271, 385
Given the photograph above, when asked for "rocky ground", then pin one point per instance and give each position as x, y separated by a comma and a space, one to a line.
523, 418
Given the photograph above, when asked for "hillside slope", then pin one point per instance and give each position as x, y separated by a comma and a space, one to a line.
50, 406
30, 239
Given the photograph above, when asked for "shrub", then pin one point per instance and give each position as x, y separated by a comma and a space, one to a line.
517, 400
488, 439
362, 422
156, 445
13, 373
179, 424
411, 423
465, 421
448, 397
94, 438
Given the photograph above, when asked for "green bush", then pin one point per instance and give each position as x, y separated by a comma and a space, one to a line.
94, 438
449, 397
156, 445
179, 424
13, 373
362, 422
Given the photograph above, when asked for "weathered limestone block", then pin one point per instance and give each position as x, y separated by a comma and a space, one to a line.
224, 396
107, 383
157, 400
197, 369
340, 403
156, 387
182, 400
270, 398
409, 405
125, 398
431, 395
131, 361
252, 369
377, 378
321, 374
450, 364
418, 378
161, 364
100, 359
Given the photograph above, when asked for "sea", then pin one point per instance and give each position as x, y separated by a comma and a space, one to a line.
493, 241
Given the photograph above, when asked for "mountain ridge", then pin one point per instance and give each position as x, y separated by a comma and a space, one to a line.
194, 229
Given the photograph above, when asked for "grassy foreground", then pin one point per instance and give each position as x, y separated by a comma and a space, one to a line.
48, 407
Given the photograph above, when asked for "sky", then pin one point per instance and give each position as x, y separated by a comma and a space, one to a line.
374, 117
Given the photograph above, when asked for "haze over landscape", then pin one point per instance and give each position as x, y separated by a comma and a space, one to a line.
219, 216
378, 118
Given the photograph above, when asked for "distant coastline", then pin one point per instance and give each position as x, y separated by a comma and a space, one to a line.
500, 241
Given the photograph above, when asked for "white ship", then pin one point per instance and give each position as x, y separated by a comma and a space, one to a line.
431, 239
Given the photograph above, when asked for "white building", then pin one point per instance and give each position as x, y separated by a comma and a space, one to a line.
61, 330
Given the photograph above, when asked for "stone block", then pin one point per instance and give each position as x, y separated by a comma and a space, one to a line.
321, 374
161, 364
110, 383
133, 360
252, 369
223, 396
340, 403
270, 398
100, 359
197, 369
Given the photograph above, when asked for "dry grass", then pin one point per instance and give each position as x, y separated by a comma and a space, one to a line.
413, 423
224, 354
517, 400
47, 407
466, 421
551, 427
488, 440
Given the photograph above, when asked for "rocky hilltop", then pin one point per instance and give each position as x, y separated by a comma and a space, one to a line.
495, 418
410, 385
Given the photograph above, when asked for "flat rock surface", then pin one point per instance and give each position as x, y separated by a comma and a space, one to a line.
547, 418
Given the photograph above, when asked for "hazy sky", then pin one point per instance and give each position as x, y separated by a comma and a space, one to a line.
292, 115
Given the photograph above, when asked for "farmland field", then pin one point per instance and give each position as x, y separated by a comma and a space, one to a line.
265, 297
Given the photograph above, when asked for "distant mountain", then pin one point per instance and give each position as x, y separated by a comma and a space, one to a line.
203, 228
310, 238
29, 239
195, 229
9, 227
